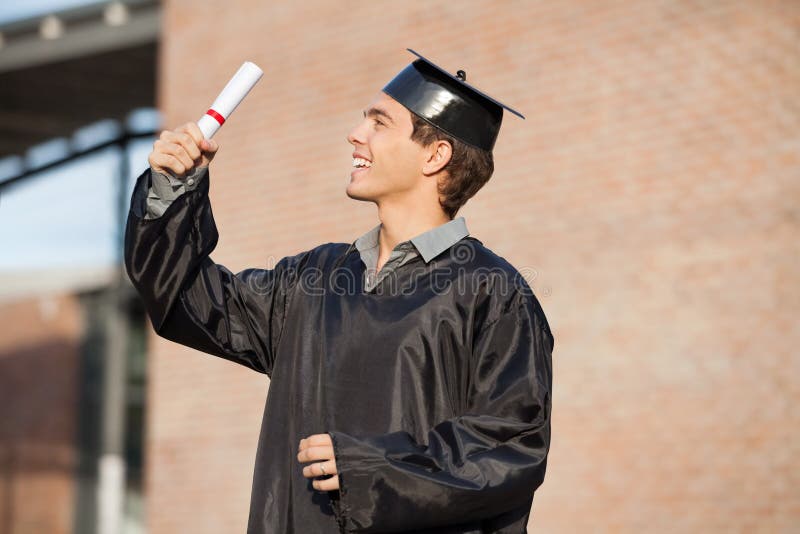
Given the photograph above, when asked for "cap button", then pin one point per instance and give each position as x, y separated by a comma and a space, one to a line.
461, 75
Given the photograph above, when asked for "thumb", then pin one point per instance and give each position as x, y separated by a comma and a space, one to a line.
209, 145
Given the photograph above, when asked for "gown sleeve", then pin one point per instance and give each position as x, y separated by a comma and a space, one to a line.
477, 465
192, 300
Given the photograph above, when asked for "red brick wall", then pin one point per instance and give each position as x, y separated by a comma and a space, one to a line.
39, 360
651, 197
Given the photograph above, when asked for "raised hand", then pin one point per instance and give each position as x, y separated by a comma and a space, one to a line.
178, 152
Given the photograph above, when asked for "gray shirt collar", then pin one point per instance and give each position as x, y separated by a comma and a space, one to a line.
429, 244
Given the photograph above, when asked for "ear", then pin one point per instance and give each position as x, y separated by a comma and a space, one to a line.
438, 155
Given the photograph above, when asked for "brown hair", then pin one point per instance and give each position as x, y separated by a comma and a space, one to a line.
468, 170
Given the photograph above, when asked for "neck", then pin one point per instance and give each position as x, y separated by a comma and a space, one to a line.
402, 222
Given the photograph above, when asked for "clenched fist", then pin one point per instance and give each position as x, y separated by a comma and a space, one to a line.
319, 447
178, 152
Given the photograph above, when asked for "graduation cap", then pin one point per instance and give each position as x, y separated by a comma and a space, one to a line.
448, 102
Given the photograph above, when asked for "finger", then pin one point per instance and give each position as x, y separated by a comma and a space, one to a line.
304, 443
209, 146
315, 469
329, 484
174, 149
183, 139
320, 439
193, 130
188, 143
167, 162
206, 145
167, 145
315, 453
309, 454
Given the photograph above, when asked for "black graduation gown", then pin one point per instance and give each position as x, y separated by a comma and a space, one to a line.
435, 388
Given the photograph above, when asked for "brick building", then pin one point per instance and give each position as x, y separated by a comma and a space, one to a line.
650, 198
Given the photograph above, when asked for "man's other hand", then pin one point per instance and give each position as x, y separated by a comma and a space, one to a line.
318, 448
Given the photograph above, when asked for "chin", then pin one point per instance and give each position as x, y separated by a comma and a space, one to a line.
364, 198
358, 191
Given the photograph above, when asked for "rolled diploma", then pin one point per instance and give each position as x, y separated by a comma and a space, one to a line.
230, 97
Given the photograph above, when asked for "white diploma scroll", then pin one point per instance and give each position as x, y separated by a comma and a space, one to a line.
230, 97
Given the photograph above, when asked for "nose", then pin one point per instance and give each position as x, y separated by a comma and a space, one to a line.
357, 134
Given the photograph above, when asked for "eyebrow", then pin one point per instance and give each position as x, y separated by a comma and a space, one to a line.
378, 112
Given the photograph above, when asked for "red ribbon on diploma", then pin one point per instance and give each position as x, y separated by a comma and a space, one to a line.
219, 118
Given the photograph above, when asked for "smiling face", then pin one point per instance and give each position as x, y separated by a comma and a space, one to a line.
387, 164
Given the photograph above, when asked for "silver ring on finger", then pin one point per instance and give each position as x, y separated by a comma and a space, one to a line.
322, 468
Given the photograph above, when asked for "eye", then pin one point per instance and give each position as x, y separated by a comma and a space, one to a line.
377, 121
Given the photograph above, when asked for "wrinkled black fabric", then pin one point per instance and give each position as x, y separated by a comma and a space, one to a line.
435, 389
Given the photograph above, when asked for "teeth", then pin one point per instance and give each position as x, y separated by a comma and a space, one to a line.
361, 162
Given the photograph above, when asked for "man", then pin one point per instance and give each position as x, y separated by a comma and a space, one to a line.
410, 369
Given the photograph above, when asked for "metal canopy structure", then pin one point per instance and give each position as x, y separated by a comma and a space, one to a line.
53, 100
63, 71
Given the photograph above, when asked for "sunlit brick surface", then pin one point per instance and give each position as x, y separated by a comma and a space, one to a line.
651, 197
39, 380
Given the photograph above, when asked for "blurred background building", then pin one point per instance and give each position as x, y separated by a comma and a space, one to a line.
77, 116
650, 198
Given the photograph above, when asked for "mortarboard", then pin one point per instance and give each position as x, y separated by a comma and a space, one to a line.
448, 102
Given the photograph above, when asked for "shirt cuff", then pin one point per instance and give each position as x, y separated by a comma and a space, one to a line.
165, 188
